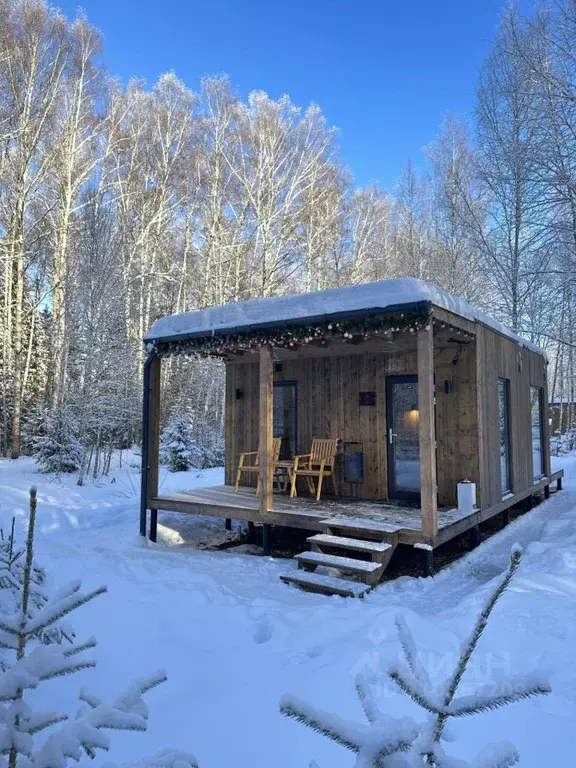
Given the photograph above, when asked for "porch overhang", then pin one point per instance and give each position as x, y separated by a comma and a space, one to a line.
416, 307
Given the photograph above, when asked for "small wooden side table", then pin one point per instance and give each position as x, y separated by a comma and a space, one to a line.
283, 473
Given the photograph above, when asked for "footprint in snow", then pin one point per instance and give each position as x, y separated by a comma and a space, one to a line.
486, 572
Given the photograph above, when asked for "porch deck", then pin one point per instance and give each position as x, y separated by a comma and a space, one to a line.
303, 511
376, 517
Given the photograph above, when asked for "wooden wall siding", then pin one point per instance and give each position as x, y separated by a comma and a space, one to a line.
327, 402
456, 421
499, 357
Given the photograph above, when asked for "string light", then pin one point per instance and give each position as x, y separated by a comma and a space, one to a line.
352, 331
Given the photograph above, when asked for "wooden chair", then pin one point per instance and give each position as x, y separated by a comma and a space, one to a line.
318, 463
255, 465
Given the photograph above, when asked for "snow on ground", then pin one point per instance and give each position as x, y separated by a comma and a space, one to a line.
233, 638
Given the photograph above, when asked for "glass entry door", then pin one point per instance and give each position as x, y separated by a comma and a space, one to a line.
285, 417
402, 437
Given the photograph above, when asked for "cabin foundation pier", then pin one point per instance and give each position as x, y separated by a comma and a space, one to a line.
428, 562
153, 525
475, 536
266, 539
426, 552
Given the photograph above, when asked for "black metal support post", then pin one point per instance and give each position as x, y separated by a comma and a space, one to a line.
506, 517
559, 484
546, 491
228, 524
153, 525
475, 536
427, 562
266, 538
250, 527
145, 438
529, 502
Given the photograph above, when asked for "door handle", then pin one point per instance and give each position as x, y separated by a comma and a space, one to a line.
391, 436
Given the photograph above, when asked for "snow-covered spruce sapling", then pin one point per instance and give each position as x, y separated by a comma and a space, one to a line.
12, 580
58, 449
35, 659
177, 443
387, 742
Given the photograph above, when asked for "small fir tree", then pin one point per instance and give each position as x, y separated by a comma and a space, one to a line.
58, 449
12, 576
33, 739
177, 443
207, 446
388, 742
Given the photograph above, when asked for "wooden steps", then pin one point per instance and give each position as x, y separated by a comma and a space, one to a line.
326, 585
361, 556
359, 524
344, 542
346, 564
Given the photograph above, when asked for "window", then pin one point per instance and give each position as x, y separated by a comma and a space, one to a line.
284, 417
537, 415
504, 417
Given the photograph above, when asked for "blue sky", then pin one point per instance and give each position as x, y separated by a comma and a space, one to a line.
385, 72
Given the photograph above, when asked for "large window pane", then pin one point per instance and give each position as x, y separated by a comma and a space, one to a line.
405, 426
284, 416
504, 417
536, 420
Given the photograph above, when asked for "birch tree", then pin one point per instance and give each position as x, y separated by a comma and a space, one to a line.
33, 51
279, 155
457, 208
74, 159
515, 243
410, 225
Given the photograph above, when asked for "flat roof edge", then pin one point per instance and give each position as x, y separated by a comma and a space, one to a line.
368, 312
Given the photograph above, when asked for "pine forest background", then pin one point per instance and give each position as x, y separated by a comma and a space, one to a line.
121, 204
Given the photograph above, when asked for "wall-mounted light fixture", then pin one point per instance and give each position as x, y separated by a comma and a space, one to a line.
412, 416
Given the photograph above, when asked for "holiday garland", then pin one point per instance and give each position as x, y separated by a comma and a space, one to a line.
292, 337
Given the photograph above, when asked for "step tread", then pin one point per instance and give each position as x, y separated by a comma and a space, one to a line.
326, 584
337, 561
359, 524
345, 542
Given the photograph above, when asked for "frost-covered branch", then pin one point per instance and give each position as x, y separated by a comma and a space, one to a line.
38, 657
387, 742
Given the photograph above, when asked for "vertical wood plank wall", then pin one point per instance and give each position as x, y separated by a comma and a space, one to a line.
327, 405
500, 357
457, 454
467, 426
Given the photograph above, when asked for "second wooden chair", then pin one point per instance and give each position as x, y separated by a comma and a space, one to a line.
319, 463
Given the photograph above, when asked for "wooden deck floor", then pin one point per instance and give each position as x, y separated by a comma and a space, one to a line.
301, 512
304, 512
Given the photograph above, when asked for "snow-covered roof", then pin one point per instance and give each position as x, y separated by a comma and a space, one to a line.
320, 306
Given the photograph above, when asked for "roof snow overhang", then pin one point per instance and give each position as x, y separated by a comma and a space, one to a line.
370, 300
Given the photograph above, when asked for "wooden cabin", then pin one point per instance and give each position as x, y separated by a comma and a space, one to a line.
421, 390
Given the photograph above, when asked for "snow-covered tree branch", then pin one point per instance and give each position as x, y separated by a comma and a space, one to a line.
405, 743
